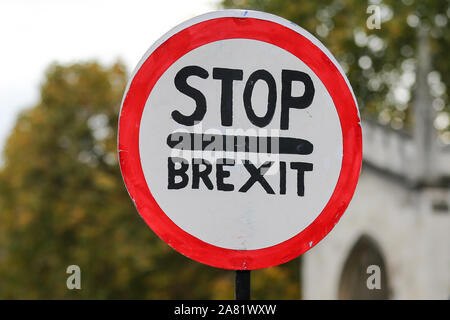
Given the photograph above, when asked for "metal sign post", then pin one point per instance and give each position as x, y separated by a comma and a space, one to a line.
242, 285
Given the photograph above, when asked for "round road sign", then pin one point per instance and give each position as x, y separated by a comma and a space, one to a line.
239, 139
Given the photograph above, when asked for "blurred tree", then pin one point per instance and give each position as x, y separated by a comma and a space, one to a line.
63, 202
380, 63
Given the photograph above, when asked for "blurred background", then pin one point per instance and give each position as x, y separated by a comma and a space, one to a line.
64, 67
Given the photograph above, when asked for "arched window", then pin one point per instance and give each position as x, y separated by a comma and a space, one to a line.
353, 281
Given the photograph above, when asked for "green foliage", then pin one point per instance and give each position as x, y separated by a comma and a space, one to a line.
63, 202
379, 63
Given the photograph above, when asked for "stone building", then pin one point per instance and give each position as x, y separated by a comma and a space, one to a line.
398, 219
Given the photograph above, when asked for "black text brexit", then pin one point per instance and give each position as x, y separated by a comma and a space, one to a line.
182, 174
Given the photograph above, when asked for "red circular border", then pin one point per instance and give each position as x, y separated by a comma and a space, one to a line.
128, 142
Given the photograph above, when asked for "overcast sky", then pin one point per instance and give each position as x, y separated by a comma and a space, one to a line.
34, 33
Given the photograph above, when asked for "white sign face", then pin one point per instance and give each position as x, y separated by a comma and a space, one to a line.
239, 139
252, 218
